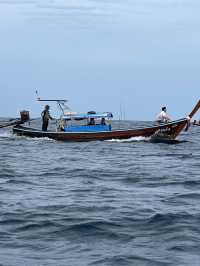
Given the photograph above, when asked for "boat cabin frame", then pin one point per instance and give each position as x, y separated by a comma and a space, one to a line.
94, 122
85, 122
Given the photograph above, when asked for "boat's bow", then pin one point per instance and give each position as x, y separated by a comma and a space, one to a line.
172, 131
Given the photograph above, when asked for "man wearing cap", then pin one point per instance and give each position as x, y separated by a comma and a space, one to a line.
45, 118
163, 117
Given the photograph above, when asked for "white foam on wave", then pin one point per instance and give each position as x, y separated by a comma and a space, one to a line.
132, 139
40, 139
6, 134
9, 135
34, 139
4, 180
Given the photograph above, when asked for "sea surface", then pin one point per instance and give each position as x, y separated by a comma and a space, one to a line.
109, 203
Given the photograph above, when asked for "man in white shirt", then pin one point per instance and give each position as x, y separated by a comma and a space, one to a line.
163, 117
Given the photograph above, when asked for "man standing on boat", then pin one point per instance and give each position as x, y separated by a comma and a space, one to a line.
45, 118
163, 117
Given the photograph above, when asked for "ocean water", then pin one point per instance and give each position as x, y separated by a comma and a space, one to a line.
99, 203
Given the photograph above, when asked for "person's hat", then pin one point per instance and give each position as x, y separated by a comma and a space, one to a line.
164, 108
47, 106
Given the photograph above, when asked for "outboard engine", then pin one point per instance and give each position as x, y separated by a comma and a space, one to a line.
25, 116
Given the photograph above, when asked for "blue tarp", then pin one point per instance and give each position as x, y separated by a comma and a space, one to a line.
95, 128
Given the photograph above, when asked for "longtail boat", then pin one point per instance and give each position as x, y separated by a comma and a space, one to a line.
102, 131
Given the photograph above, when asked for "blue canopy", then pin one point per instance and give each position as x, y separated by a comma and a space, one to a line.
88, 115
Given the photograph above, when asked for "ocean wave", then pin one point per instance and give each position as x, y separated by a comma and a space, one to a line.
43, 139
88, 228
60, 228
33, 226
126, 260
167, 219
189, 195
132, 139
3, 180
17, 181
6, 134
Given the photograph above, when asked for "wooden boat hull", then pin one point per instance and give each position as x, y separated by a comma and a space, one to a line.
11, 123
171, 130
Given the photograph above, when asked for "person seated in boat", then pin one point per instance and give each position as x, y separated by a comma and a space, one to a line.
45, 118
163, 117
103, 121
91, 122
196, 123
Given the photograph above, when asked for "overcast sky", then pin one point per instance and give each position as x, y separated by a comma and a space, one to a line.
100, 54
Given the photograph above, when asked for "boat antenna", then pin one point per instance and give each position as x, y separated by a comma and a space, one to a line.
38, 98
60, 102
124, 114
120, 115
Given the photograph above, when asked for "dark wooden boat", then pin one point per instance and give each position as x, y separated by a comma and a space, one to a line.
10, 123
163, 131
171, 130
